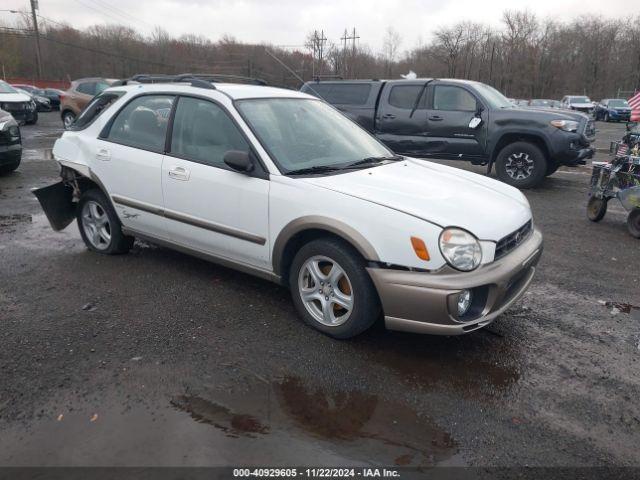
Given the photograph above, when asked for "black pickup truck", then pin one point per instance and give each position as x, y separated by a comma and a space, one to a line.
466, 120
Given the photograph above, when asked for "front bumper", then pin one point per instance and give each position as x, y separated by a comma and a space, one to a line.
422, 302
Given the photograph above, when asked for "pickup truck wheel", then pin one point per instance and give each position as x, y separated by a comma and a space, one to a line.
521, 164
596, 208
99, 225
633, 222
331, 289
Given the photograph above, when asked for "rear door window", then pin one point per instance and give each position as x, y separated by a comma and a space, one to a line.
143, 122
404, 96
203, 132
88, 88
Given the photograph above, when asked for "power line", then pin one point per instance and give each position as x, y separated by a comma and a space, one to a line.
120, 12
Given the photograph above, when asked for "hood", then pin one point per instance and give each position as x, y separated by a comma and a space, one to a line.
445, 196
14, 97
543, 113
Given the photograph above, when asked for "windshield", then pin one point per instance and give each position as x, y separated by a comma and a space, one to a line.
579, 100
493, 97
305, 133
618, 103
6, 88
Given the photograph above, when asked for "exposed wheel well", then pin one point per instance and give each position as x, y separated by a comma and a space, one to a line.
297, 241
519, 137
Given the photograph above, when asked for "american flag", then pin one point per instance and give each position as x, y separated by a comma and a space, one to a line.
623, 149
634, 103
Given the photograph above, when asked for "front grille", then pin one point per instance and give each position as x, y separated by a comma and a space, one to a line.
511, 241
14, 106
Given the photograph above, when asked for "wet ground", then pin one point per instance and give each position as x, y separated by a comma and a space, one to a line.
157, 358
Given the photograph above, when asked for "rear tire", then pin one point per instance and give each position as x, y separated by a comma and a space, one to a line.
633, 222
99, 225
606, 117
521, 164
596, 208
340, 299
68, 118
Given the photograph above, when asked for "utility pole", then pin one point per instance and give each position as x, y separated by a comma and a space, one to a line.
34, 7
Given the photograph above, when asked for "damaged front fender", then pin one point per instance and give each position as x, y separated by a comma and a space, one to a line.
58, 205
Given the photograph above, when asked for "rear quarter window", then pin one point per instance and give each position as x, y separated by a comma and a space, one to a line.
94, 109
342, 93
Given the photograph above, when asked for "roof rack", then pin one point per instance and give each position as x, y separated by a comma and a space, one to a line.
201, 80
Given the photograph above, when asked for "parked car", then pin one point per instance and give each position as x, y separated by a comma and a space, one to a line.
54, 95
544, 103
50, 93
20, 105
279, 184
613, 109
10, 143
42, 103
579, 103
78, 95
464, 120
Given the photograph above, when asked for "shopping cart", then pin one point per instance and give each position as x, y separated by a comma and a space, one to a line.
619, 179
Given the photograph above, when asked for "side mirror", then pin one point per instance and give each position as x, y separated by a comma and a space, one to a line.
239, 161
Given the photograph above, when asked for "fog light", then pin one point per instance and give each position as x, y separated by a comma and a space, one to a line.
464, 302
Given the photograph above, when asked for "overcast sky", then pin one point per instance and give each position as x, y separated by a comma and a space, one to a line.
287, 22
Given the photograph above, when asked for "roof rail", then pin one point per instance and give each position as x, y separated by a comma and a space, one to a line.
318, 78
201, 80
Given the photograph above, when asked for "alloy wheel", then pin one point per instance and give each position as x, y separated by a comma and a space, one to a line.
519, 166
326, 291
96, 226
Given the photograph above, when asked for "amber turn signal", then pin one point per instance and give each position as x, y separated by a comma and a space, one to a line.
420, 248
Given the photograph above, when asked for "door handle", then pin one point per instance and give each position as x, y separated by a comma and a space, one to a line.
436, 118
103, 154
390, 116
179, 173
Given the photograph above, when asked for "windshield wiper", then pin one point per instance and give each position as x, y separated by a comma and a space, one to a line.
372, 161
314, 169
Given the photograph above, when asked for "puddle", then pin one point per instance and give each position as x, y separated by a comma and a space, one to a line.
356, 424
250, 422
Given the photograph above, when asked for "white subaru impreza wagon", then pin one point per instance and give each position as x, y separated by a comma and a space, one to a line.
281, 185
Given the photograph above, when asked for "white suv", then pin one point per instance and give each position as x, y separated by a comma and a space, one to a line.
281, 185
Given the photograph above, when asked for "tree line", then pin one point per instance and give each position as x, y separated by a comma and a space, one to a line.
525, 57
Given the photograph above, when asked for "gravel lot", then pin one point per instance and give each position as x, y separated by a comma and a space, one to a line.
157, 358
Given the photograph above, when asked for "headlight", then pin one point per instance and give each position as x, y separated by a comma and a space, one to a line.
566, 125
460, 249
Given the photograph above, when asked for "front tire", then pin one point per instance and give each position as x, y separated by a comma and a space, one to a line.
9, 168
606, 117
332, 290
99, 225
521, 164
633, 222
34, 120
596, 208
